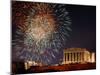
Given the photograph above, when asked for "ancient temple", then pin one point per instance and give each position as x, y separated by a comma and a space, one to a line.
78, 55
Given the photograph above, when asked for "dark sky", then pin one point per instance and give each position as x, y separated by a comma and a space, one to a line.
83, 33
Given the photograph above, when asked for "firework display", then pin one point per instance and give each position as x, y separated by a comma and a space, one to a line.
51, 37
41, 31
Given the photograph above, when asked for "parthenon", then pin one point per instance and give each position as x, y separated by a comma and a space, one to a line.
78, 55
70, 55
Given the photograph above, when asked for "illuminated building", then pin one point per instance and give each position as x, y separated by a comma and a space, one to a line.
28, 64
70, 55
78, 55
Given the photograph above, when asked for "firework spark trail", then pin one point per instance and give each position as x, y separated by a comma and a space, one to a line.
43, 34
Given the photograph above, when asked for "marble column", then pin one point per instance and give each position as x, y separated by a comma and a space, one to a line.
70, 57
75, 57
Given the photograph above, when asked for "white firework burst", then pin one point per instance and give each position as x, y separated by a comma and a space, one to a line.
44, 33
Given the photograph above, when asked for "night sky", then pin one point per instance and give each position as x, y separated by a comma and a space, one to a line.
83, 33
83, 19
